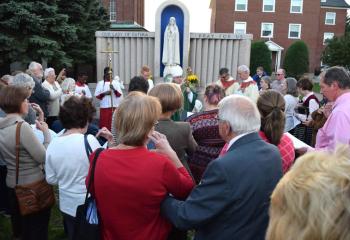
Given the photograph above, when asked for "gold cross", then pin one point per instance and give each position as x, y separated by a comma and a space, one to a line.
110, 51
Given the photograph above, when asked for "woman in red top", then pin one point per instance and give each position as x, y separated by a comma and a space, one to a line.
271, 106
131, 181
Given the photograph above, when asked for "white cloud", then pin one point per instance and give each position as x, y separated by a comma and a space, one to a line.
199, 10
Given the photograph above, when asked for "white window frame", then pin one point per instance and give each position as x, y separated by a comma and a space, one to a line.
246, 6
112, 10
245, 27
301, 7
334, 18
273, 6
261, 32
324, 37
298, 24
323, 1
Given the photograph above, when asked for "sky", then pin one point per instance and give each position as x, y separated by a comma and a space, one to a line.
198, 9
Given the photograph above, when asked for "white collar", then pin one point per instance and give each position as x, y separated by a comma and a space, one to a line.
233, 140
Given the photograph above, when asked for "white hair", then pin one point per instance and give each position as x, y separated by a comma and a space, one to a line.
32, 66
243, 68
68, 84
22, 80
48, 71
241, 112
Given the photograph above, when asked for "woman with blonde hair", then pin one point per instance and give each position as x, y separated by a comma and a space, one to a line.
271, 106
130, 182
312, 200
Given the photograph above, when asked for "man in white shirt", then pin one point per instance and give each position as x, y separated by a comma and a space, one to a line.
248, 86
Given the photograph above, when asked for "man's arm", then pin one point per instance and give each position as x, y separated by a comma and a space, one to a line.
205, 202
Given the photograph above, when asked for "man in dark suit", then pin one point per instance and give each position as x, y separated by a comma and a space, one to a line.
233, 198
40, 95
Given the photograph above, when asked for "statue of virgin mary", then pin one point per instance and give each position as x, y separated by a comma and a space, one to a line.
171, 46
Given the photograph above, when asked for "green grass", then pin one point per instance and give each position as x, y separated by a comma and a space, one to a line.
56, 231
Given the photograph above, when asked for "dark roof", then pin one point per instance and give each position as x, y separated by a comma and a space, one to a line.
335, 3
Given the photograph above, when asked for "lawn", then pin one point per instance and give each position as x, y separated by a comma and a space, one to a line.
56, 231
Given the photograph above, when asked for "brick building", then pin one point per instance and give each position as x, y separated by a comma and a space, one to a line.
125, 11
281, 22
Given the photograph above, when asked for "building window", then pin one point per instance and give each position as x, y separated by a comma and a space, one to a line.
296, 6
240, 27
241, 5
112, 11
323, 0
327, 36
330, 18
266, 30
294, 31
269, 6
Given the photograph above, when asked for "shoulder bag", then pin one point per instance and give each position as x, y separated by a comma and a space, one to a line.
35, 196
87, 222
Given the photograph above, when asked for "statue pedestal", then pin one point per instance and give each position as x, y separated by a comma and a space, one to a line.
173, 70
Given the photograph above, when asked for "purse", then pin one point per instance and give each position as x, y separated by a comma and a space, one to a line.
35, 196
87, 222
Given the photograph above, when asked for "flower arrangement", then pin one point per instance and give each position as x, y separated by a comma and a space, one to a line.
192, 78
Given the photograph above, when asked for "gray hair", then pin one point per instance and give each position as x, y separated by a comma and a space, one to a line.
33, 65
48, 71
241, 112
243, 68
22, 80
292, 86
337, 74
7, 78
67, 84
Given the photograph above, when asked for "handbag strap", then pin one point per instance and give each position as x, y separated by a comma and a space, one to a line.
92, 172
18, 136
87, 146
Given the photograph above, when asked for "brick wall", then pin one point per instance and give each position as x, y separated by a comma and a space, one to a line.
312, 21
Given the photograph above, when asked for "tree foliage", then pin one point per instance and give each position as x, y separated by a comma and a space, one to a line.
87, 16
34, 30
296, 60
337, 51
260, 55
58, 31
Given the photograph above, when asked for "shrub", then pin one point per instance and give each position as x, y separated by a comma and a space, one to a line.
296, 60
260, 55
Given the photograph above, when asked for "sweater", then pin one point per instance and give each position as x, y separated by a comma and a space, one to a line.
67, 166
54, 102
129, 187
31, 153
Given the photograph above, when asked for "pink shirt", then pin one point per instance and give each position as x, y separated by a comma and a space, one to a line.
337, 127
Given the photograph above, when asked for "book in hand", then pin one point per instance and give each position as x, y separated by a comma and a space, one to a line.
297, 143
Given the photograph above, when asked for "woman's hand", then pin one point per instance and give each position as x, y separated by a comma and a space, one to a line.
42, 126
40, 112
163, 147
104, 132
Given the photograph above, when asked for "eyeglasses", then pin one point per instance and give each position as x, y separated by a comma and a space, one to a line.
279, 74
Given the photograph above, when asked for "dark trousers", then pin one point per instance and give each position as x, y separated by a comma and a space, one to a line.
31, 227
68, 224
4, 203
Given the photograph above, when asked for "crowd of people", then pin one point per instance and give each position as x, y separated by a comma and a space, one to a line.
227, 165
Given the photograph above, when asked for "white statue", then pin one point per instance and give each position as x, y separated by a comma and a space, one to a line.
171, 47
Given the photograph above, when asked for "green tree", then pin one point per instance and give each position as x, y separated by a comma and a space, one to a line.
34, 30
337, 51
296, 60
87, 16
260, 55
